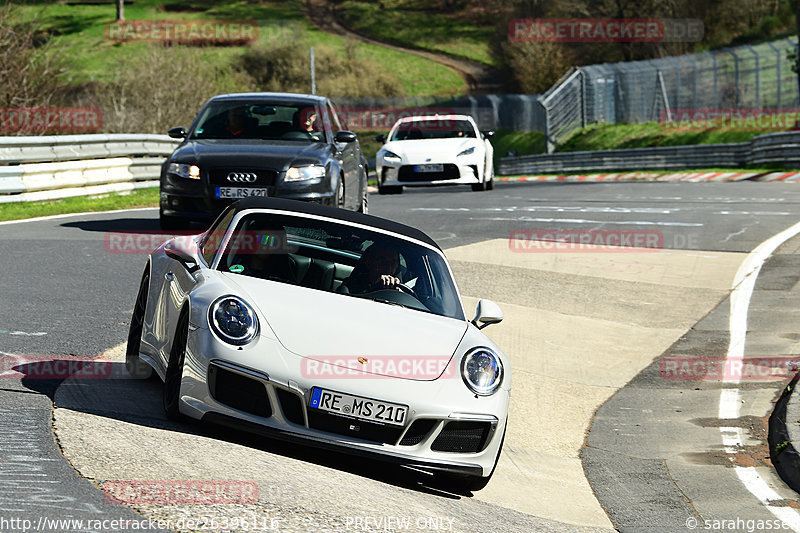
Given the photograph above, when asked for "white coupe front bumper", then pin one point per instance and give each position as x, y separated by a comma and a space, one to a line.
448, 428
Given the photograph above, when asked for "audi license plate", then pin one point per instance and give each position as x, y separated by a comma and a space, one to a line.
358, 407
429, 168
239, 192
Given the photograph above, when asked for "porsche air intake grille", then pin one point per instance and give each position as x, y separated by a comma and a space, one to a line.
407, 173
417, 432
238, 391
351, 427
292, 406
462, 437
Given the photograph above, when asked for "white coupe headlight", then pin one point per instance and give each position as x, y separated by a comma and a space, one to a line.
391, 155
185, 170
482, 371
233, 320
304, 173
468, 151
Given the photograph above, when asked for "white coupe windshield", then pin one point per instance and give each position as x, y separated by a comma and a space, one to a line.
435, 128
336, 257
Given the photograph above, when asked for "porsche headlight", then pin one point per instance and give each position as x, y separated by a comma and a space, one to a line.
482, 371
185, 170
390, 155
233, 320
304, 173
468, 151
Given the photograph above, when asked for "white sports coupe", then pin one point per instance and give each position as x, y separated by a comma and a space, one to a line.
435, 150
335, 328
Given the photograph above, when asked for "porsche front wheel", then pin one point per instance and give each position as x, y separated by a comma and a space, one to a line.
174, 374
133, 364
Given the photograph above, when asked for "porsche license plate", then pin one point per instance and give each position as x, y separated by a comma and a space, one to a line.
429, 168
239, 192
358, 407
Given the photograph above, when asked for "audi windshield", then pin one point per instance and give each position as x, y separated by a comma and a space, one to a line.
240, 120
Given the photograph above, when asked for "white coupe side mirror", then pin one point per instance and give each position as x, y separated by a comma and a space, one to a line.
487, 313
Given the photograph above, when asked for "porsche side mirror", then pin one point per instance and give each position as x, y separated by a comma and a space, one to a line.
487, 313
345, 137
487, 134
177, 133
381, 138
185, 259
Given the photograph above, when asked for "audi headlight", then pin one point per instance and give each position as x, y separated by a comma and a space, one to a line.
185, 170
304, 173
468, 151
482, 371
390, 155
233, 320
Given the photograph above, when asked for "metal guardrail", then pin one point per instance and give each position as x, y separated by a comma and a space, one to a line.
764, 150
57, 166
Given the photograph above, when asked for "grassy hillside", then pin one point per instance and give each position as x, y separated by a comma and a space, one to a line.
77, 32
465, 31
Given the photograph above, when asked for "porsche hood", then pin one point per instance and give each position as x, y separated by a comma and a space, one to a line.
356, 333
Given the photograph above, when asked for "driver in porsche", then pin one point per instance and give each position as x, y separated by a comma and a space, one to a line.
376, 269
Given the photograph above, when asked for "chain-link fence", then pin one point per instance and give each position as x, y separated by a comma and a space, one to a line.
518, 112
745, 80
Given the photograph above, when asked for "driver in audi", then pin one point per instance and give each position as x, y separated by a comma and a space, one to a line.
376, 269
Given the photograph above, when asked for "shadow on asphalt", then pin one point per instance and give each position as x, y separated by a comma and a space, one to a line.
121, 225
136, 401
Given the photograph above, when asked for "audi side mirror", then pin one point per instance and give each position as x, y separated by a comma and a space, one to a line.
177, 133
345, 137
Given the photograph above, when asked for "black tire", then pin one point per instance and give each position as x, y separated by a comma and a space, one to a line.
172, 379
340, 194
135, 366
478, 187
490, 183
364, 206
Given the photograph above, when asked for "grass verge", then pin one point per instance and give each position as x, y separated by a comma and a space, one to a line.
80, 204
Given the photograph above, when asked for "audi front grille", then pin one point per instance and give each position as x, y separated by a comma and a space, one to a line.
243, 177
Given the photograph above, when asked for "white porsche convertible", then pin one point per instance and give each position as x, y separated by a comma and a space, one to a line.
334, 328
435, 150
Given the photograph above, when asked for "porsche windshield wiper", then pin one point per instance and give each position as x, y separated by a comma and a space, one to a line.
391, 302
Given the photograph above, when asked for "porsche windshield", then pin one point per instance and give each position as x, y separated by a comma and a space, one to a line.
434, 128
343, 259
241, 120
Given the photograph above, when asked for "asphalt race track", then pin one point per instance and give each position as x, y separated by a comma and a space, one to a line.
600, 436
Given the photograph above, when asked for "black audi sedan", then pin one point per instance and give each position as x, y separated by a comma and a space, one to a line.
261, 144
